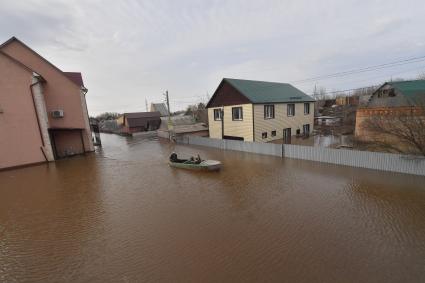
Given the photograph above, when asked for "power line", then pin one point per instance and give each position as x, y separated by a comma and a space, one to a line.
347, 90
366, 69
364, 87
334, 75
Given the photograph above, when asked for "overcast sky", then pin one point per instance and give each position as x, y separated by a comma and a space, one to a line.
129, 51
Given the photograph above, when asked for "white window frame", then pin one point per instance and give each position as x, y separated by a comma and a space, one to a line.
289, 106
307, 106
238, 109
219, 116
269, 111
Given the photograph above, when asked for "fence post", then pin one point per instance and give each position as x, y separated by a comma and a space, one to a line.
283, 150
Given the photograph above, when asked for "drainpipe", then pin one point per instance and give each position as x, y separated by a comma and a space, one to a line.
36, 114
38, 121
39, 108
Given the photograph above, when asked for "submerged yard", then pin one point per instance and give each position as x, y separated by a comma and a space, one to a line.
123, 215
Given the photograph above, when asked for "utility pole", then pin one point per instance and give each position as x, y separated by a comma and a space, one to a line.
167, 100
170, 126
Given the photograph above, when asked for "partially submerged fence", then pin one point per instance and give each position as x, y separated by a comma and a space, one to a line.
364, 159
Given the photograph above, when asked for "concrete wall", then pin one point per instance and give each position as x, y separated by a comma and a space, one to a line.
59, 91
242, 128
363, 159
20, 139
281, 120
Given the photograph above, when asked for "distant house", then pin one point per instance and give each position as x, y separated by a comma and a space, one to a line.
159, 107
352, 100
139, 122
327, 120
259, 111
390, 100
43, 111
180, 126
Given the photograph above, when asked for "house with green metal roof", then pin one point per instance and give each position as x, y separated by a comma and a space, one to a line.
259, 111
392, 99
398, 94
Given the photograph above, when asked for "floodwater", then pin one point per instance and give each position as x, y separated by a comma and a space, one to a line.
123, 215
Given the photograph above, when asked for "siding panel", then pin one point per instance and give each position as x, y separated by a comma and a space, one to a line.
242, 128
281, 120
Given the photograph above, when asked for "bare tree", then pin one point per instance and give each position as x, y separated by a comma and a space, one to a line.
401, 131
421, 76
319, 93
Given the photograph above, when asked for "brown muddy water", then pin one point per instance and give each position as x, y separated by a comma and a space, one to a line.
123, 215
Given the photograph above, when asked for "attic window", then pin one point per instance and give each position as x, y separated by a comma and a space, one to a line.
391, 92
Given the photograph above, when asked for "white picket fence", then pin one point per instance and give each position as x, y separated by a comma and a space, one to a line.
364, 159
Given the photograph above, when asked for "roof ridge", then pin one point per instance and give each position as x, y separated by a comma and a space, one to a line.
256, 81
405, 81
14, 38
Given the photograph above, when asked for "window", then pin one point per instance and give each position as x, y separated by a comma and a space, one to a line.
306, 129
218, 114
291, 109
273, 133
306, 108
237, 114
264, 135
268, 111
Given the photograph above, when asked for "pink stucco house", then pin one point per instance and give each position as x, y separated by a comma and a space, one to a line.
43, 111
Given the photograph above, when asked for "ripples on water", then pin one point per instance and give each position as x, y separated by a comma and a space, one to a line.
123, 215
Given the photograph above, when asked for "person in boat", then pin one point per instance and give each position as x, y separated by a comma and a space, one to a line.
198, 160
173, 157
195, 160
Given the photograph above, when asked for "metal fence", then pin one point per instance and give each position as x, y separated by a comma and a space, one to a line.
364, 159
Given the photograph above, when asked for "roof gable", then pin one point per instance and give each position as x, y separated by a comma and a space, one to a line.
14, 39
17, 62
225, 95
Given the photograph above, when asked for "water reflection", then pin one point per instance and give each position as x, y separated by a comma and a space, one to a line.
122, 214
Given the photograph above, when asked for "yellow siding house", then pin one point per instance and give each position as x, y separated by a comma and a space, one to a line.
259, 111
